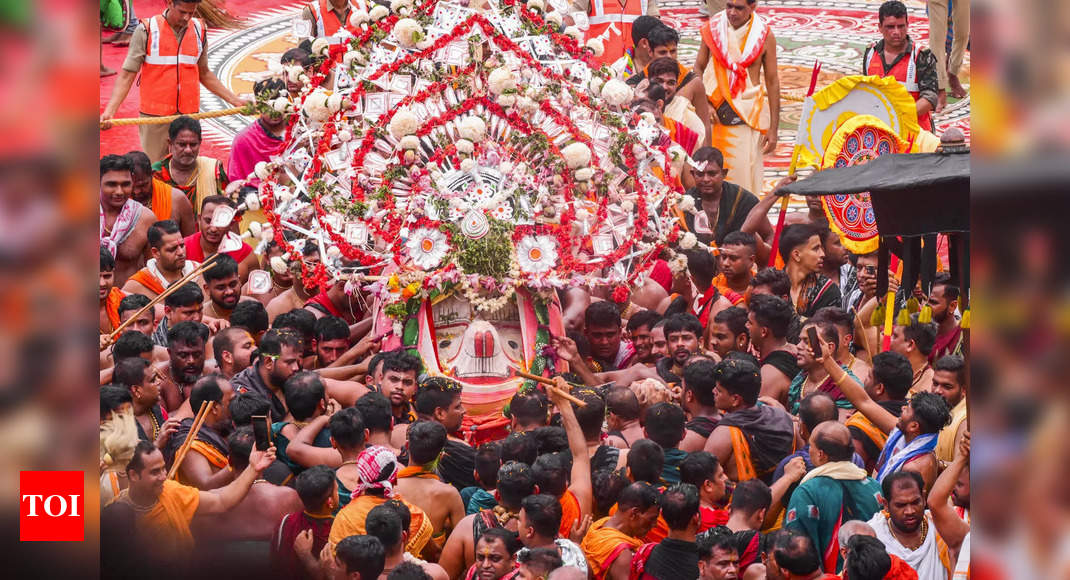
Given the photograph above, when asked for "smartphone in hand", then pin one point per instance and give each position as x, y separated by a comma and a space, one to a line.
815, 343
262, 432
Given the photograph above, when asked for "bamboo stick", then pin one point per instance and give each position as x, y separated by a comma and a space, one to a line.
198, 421
550, 384
167, 292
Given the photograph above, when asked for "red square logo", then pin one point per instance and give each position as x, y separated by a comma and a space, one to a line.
51, 506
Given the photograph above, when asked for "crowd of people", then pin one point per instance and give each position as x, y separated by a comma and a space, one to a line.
746, 423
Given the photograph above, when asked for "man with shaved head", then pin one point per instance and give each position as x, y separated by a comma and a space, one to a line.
834, 492
850, 529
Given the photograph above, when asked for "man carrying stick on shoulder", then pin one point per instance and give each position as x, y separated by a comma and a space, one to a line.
164, 508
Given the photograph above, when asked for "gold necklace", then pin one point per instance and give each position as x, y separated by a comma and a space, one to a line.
155, 425
924, 532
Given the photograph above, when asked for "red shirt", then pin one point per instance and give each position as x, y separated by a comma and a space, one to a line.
195, 253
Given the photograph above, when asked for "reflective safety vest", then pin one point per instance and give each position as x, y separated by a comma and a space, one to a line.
617, 19
327, 23
906, 72
170, 78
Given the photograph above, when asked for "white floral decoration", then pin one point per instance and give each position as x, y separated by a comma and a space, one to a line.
627, 206
358, 17
279, 265
473, 129
409, 142
536, 5
597, 46
468, 164
688, 241
686, 203
677, 158
678, 264
574, 32
576, 155
553, 18
315, 105
408, 32
427, 247
404, 122
616, 92
536, 254
584, 174
500, 80
262, 170
506, 101
379, 12
320, 46
465, 146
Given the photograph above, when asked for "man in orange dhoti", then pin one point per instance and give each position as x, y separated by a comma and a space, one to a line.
611, 542
738, 46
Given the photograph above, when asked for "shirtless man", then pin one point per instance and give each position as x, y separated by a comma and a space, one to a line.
915, 341
185, 348
124, 223
515, 482
167, 263
258, 514
222, 287
297, 294
420, 486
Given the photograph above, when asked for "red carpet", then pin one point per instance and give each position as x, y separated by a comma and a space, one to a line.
120, 140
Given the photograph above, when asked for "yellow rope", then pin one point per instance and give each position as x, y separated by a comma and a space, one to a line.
167, 120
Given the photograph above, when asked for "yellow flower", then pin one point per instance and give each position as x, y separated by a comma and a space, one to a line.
393, 284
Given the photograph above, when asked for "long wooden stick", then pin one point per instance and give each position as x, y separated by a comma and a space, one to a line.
202, 413
550, 384
167, 292
167, 120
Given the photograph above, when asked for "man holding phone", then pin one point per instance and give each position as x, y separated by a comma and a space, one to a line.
813, 378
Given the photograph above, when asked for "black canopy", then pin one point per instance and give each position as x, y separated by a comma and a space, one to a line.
913, 193
915, 196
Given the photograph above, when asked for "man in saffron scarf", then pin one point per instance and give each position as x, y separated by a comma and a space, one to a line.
205, 467
419, 483
378, 472
750, 439
611, 542
165, 201
110, 296
165, 508
738, 45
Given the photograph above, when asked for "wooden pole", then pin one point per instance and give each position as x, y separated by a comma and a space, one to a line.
550, 384
202, 413
170, 290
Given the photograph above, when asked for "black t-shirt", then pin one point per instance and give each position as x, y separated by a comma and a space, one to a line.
458, 464
736, 203
782, 361
672, 559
